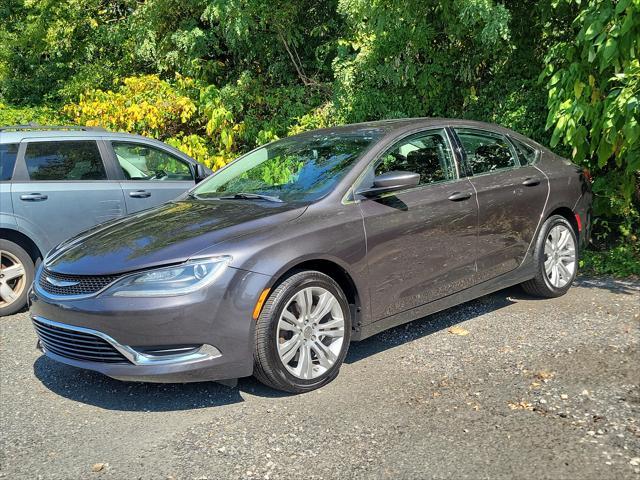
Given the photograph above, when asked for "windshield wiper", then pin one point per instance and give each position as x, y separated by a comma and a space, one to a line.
251, 196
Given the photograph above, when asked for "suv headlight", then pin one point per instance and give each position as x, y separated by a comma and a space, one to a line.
170, 281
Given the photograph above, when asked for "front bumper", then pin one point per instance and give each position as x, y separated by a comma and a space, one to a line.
206, 335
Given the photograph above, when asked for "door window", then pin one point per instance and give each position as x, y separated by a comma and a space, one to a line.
68, 160
486, 152
528, 155
8, 154
143, 162
426, 153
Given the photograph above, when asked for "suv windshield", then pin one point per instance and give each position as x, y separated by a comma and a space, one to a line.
301, 168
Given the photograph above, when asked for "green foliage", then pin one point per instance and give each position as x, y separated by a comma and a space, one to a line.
145, 105
594, 103
216, 78
622, 260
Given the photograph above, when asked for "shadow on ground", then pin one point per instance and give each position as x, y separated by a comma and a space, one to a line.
101, 391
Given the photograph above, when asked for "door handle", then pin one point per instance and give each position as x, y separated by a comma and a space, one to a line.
531, 182
140, 194
33, 197
459, 196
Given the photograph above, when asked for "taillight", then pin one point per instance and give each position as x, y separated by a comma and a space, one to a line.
579, 222
587, 175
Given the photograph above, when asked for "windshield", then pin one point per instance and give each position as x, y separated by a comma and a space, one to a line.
293, 169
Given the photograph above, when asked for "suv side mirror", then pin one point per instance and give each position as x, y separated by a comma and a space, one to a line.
202, 172
391, 182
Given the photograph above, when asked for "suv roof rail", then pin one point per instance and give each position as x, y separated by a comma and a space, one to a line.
35, 126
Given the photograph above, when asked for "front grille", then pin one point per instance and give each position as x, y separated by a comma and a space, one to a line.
75, 344
75, 284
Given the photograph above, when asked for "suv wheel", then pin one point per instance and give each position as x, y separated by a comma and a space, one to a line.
302, 334
556, 259
16, 275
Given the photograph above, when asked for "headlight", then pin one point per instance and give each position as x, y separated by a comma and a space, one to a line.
170, 281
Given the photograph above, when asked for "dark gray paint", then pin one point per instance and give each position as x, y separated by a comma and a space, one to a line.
408, 254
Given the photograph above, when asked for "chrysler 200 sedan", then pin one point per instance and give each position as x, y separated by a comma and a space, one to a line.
274, 264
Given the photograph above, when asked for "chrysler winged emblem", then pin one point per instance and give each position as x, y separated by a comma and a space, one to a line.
60, 283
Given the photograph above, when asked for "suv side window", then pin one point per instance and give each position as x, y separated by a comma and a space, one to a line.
486, 152
426, 153
8, 154
528, 155
64, 160
144, 162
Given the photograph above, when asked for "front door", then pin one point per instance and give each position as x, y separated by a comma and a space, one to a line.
66, 190
152, 175
511, 199
421, 241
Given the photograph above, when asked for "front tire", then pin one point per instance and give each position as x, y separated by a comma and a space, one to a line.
556, 259
302, 333
16, 275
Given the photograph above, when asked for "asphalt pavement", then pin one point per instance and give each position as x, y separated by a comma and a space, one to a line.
507, 386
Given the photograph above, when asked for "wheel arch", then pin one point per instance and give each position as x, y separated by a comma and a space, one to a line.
568, 215
24, 241
332, 269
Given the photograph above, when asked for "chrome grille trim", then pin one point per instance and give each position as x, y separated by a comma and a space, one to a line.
64, 340
76, 343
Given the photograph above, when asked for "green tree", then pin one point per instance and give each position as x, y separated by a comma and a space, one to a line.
593, 79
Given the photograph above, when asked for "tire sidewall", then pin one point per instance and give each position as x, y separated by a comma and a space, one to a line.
549, 224
29, 269
313, 279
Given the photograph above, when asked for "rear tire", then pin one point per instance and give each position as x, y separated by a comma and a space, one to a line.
302, 333
16, 275
556, 259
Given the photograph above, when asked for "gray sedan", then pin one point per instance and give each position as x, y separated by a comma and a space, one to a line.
273, 265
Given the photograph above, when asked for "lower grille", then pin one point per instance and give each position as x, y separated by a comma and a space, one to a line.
60, 284
75, 344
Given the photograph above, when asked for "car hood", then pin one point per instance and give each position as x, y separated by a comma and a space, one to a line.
169, 233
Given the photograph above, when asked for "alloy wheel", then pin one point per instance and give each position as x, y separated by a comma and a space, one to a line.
310, 333
560, 256
12, 278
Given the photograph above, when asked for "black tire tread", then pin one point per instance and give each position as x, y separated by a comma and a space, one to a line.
537, 286
262, 369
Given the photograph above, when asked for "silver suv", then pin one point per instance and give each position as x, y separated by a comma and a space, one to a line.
58, 181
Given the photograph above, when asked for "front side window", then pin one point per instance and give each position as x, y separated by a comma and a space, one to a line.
486, 152
303, 168
8, 154
426, 153
68, 160
143, 162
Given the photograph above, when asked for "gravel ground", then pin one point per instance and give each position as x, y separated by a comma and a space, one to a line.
522, 388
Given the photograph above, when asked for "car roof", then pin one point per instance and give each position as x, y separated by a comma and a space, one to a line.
15, 136
395, 125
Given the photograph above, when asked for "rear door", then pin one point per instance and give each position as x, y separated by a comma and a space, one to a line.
150, 174
61, 188
511, 198
421, 242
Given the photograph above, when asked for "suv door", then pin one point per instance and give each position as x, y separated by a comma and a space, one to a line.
151, 175
511, 199
61, 188
420, 241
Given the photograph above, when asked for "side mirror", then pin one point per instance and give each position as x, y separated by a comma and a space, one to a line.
202, 172
390, 182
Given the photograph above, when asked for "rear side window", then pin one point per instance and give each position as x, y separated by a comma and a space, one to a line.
8, 154
72, 160
486, 152
528, 155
